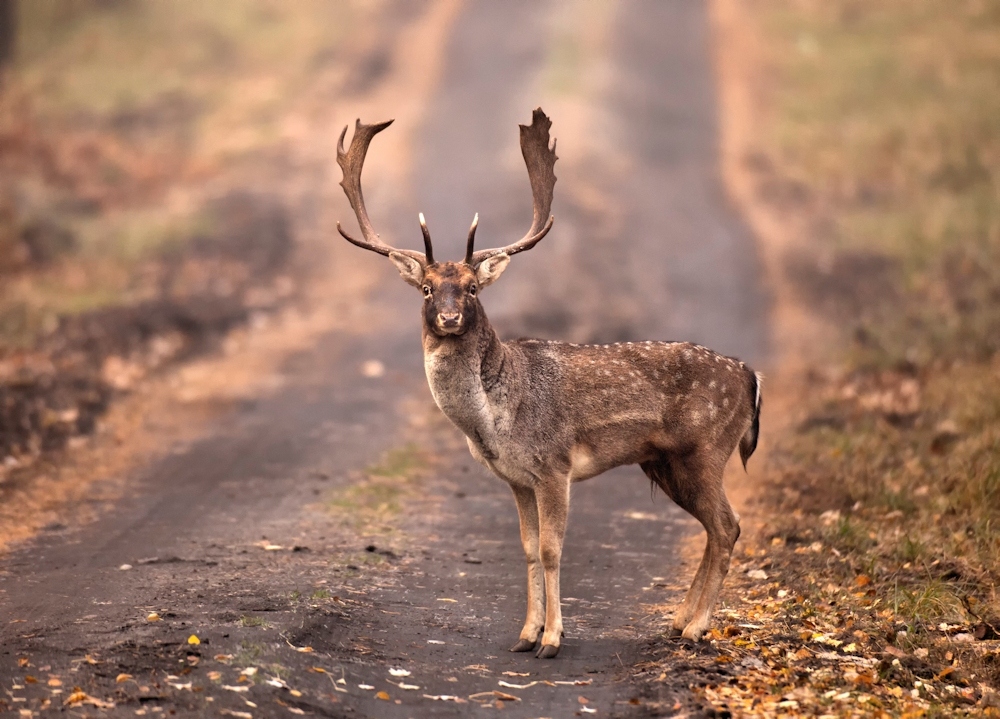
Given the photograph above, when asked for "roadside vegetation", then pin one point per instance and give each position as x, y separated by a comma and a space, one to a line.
872, 589
136, 223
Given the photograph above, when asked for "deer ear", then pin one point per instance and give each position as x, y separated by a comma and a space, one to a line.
490, 269
410, 270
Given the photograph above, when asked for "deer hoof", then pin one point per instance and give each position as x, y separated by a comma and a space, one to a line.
547, 651
523, 645
692, 632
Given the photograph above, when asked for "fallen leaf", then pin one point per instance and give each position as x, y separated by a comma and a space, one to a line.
318, 670
399, 672
516, 674
383, 696
80, 697
305, 650
214, 676
22, 662
249, 671
224, 658
444, 698
516, 686
506, 697
588, 710
54, 682
411, 687
152, 617
229, 687
30, 680
862, 580
434, 641
366, 687
583, 700
193, 639
446, 599
295, 710
238, 715
295, 693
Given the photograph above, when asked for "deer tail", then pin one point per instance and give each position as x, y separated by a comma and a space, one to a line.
748, 443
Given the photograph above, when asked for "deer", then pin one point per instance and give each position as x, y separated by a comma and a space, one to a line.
542, 415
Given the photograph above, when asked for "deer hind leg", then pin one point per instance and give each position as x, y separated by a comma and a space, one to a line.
661, 474
695, 483
527, 513
553, 512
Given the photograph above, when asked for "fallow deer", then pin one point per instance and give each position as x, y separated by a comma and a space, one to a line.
542, 415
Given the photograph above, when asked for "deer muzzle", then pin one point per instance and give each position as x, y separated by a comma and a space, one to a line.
449, 322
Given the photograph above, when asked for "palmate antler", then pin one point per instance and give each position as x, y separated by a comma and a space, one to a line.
541, 160
351, 163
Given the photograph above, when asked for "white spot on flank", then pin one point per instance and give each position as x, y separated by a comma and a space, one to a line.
694, 385
725, 402
711, 384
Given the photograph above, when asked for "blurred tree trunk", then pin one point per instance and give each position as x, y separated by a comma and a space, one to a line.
8, 31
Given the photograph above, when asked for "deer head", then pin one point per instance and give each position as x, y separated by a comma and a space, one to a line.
451, 289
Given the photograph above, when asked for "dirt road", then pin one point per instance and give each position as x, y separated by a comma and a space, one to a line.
253, 540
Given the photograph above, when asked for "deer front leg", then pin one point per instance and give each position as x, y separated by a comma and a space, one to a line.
553, 510
527, 513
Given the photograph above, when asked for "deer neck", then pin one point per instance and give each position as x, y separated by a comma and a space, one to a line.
468, 375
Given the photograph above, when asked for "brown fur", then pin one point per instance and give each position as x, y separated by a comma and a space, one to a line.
542, 415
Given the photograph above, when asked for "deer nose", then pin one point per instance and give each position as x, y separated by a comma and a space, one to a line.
449, 318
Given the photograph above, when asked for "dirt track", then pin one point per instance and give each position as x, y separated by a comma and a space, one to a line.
643, 248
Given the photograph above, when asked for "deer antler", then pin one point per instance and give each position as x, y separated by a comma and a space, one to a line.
351, 163
541, 160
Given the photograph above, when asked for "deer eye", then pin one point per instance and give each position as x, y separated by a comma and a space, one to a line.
427, 290
472, 290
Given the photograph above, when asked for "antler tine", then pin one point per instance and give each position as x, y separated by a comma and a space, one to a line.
428, 249
540, 160
351, 163
471, 242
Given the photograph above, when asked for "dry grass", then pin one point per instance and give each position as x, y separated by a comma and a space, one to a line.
874, 132
115, 121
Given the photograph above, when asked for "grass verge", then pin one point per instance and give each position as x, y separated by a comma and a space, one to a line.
870, 167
